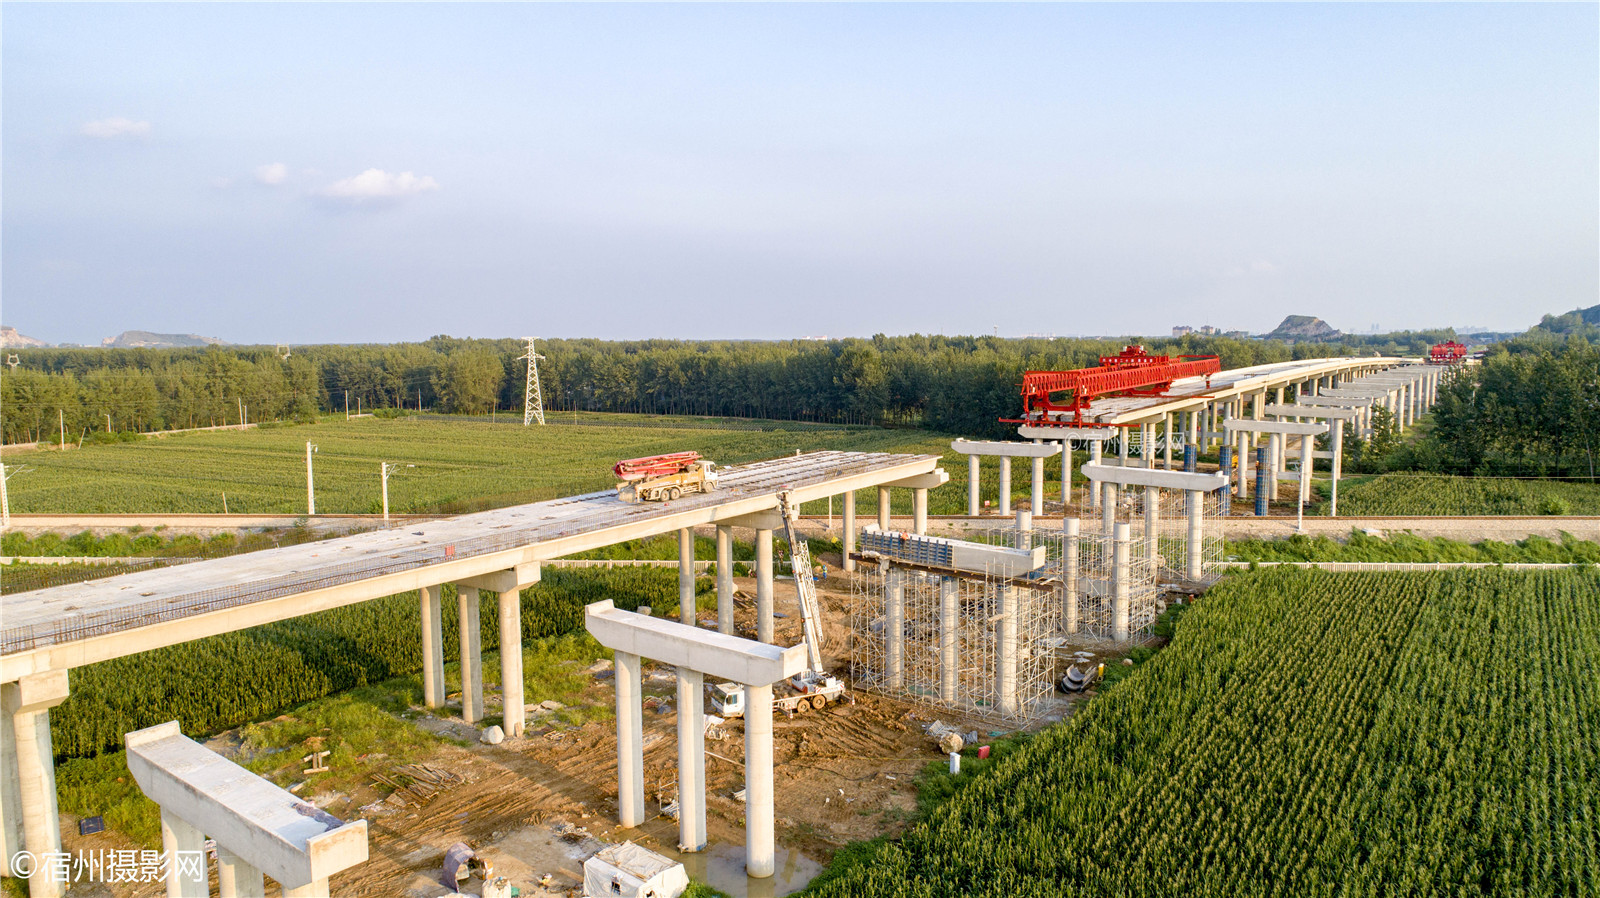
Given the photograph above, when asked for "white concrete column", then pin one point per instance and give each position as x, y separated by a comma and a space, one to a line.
686, 609
237, 879
725, 575
1307, 443
1152, 517
1122, 446
691, 760
885, 506
849, 531
1006, 651
1279, 396
30, 770
1147, 445
315, 889
630, 740
1066, 479
1096, 448
764, 586
760, 860
1004, 502
949, 634
471, 643
183, 842
974, 477
1108, 506
1166, 442
1036, 495
514, 711
1338, 467
919, 511
1119, 583
894, 628
1274, 464
11, 830
1192, 568
432, 646
1069, 576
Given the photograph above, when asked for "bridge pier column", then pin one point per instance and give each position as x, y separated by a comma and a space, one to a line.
432, 646
849, 532
764, 585
686, 609
469, 606
974, 477
235, 878
514, 713
760, 860
630, 740
1004, 503
919, 511
885, 505
725, 579
1036, 495
27, 771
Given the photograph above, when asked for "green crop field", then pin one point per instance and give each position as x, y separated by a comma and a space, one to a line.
462, 464
1434, 494
1405, 547
1304, 734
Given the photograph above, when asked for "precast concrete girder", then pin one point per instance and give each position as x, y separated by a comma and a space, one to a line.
1001, 448
1036, 432
1313, 411
1250, 425
933, 479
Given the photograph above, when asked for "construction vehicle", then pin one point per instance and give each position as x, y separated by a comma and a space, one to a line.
812, 688
664, 477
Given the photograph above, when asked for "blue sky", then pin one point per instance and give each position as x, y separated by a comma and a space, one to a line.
373, 172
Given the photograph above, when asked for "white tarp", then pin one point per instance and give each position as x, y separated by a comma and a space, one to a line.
629, 871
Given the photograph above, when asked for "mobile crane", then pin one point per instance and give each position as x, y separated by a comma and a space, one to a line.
812, 688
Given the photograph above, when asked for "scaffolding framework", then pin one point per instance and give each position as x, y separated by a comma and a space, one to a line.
998, 632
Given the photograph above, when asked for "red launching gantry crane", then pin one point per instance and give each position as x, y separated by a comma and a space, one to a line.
1132, 372
1447, 353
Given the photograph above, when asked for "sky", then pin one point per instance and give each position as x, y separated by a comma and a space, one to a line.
309, 173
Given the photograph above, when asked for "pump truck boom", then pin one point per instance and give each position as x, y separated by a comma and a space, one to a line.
812, 687
664, 476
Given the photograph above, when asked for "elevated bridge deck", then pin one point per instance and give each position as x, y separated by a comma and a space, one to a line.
69, 626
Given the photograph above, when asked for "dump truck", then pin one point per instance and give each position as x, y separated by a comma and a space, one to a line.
664, 477
811, 688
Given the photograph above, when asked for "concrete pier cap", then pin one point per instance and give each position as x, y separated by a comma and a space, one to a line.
271, 829
680, 645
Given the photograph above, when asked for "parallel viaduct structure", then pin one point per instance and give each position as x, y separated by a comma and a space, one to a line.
49, 632
1194, 411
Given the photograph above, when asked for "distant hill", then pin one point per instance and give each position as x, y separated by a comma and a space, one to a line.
148, 340
10, 337
1577, 321
1303, 327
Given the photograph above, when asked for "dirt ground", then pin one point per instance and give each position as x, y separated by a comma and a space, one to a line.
540, 804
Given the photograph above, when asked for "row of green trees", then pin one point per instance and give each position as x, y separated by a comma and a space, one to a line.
1528, 410
956, 384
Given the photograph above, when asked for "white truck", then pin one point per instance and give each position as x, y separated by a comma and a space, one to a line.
812, 688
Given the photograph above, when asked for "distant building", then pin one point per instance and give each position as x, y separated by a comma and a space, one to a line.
1207, 330
1182, 330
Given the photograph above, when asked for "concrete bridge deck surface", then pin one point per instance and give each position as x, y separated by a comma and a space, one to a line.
69, 626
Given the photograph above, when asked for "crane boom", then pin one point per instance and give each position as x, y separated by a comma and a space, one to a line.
805, 585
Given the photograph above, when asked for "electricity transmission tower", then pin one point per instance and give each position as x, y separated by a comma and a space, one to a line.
533, 400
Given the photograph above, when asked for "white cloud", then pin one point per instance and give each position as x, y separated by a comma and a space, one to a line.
377, 184
272, 173
1262, 266
109, 128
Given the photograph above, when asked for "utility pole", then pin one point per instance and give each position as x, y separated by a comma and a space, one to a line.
5, 501
61, 416
532, 398
108, 422
311, 490
383, 472
241, 411
347, 405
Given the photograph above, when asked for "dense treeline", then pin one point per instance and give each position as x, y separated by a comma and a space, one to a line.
1531, 408
222, 681
957, 384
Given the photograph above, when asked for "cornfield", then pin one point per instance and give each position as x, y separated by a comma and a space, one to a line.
1434, 494
1305, 734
